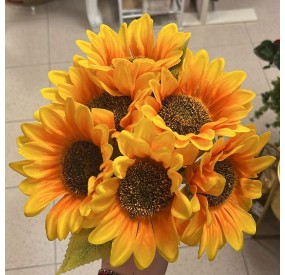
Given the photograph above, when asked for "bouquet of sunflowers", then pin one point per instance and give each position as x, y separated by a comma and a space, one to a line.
141, 145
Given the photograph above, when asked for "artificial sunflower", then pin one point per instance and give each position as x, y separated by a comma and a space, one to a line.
66, 157
203, 103
136, 208
75, 84
223, 184
134, 42
102, 90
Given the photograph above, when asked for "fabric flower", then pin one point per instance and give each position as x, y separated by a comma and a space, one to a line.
223, 184
203, 103
136, 208
74, 83
116, 91
66, 157
135, 43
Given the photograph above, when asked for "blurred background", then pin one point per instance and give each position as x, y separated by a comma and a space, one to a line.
40, 36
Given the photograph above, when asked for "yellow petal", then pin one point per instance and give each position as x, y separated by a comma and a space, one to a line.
53, 121
63, 223
251, 188
181, 207
165, 139
258, 164
145, 130
102, 116
57, 77
203, 242
84, 121
121, 165
108, 229
162, 155
40, 172
192, 233
145, 245
18, 166
243, 219
102, 202
123, 244
231, 231
189, 153
214, 235
75, 220
39, 201
166, 236
122, 71
38, 150
201, 143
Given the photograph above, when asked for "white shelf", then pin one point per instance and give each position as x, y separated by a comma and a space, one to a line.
154, 7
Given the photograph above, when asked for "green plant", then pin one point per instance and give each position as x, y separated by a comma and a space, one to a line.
270, 51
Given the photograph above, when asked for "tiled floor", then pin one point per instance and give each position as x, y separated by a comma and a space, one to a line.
38, 43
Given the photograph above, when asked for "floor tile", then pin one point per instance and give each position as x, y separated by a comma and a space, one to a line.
261, 260
227, 261
26, 242
260, 123
269, 227
40, 270
88, 269
67, 8
271, 74
224, 5
270, 245
23, 87
211, 36
264, 9
17, 12
61, 247
263, 29
25, 43
66, 25
62, 66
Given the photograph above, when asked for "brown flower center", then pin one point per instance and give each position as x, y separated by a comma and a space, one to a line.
117, 104
145, 191
184, 114
226, 170
81, 161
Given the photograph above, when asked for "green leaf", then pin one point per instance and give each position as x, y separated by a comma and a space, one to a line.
81, 252
276, 59
177, 68
266, 50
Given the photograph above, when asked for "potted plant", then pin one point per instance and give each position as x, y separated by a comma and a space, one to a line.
270, 51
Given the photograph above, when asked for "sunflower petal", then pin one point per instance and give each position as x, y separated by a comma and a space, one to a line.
166, 236
181, 207
123, 244
145, 245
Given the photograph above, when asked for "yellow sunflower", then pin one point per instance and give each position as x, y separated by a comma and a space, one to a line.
103, 90
75, 84
223, 184
136, 208
203, 103
66, 157
134, 42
